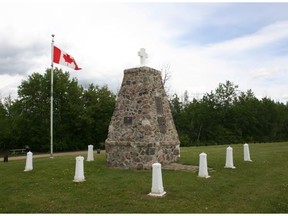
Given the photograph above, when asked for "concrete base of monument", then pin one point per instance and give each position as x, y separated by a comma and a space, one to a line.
139, 155
157, 194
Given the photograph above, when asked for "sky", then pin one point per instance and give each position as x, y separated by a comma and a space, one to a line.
199, 44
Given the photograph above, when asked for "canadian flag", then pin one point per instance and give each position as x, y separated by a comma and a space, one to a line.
60, 57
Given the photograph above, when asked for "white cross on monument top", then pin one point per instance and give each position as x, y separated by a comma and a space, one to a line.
143, 56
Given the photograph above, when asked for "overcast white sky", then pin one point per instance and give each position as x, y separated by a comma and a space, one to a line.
204, 43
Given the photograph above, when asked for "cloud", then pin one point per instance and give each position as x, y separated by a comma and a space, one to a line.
18, 60
265, 36
249, 61
103, 38
203, 43
9, 85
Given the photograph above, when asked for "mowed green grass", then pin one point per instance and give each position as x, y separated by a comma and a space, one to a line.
260, 186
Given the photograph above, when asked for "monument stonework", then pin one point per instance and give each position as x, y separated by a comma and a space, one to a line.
142, 130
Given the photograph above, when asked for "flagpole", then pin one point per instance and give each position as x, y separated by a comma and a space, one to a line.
51, 101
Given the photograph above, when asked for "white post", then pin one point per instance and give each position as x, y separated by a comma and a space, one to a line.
203, 169
51, 99
29, 162
229, 158
90, 156
79, 169
246, 152
157, 184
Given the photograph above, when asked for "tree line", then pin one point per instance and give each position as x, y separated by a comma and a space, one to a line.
228, 115
82, 115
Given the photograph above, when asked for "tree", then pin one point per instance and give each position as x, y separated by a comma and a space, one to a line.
68, 111
81, 117
33, 120
99, 105
177, 112
227, 115
4, 126
220, 104
34, 99
245, 110
166, 75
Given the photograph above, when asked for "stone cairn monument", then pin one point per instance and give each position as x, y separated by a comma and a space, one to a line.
142, 130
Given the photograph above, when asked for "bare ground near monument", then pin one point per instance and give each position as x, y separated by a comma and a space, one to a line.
57, 154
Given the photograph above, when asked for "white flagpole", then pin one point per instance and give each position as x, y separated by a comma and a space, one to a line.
51, 102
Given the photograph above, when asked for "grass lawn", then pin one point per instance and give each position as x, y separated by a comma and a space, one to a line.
260, 186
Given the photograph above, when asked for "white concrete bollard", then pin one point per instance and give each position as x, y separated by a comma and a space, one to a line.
229, 158
90, 156
203, 169
157, 184
79, 169
29, 162
246, 152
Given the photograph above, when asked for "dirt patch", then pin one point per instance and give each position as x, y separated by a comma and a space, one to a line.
177, 166
22, 157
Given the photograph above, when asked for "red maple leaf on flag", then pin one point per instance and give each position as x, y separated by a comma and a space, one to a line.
68, 58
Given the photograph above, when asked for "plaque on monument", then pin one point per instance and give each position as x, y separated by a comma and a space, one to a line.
128, 120
159, 105
162, 124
